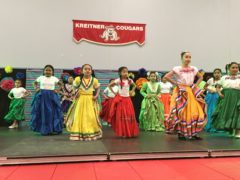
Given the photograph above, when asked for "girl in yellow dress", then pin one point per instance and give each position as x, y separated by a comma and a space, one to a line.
83, 116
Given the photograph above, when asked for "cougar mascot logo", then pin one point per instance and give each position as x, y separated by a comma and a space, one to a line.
110, 34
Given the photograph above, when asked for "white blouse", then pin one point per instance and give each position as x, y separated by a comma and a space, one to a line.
212, 84
166, 87
18, 92
185, 75
47, 83
123, 89
228, 81
109, 93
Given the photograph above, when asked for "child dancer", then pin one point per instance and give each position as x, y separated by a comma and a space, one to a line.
166, 91
187, 114
122, 113
67, 93
83, 116
47, 116
16, 108
227, 113
212, 97
106, 104
152, 110
202, 83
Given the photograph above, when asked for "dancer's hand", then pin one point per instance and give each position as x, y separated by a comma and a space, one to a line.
132, 93
211, 91
23, 97
77, 95
37, 90
105, 97
157, 96
94, 98
221, 95
148, 96
178, 85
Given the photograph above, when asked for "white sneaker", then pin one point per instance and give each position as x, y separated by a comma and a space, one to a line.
13, 126
237, 134
74, 137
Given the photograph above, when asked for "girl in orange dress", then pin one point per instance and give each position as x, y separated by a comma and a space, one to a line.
187, 108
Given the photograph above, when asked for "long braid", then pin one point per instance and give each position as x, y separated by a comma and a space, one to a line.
227, 67
120, 81
81, 78
119, 73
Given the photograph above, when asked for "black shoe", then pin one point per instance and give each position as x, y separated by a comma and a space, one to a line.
197, 138
181, 137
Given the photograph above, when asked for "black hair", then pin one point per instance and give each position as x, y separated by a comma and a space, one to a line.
228, 66
93, 73
208, 77
183, 53
48, 66
121, 69
152, 72
163, 75
86, 65
155, 73
70, 76
81, 75
111, 80
119, 72
18, 80
216, 69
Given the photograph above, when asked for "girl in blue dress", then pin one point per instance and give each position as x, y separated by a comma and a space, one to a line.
47, 116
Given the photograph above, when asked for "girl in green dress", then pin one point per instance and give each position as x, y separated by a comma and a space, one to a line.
227, 113
152, 111
16, 108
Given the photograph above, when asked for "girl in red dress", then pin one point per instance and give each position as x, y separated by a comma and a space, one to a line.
166, 91
106, 104
122, 112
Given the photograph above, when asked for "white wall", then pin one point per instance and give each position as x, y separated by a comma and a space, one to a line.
38, 32
235, 31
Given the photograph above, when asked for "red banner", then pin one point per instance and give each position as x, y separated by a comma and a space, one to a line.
108, 33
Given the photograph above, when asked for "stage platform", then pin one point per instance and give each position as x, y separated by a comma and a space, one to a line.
23, 146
